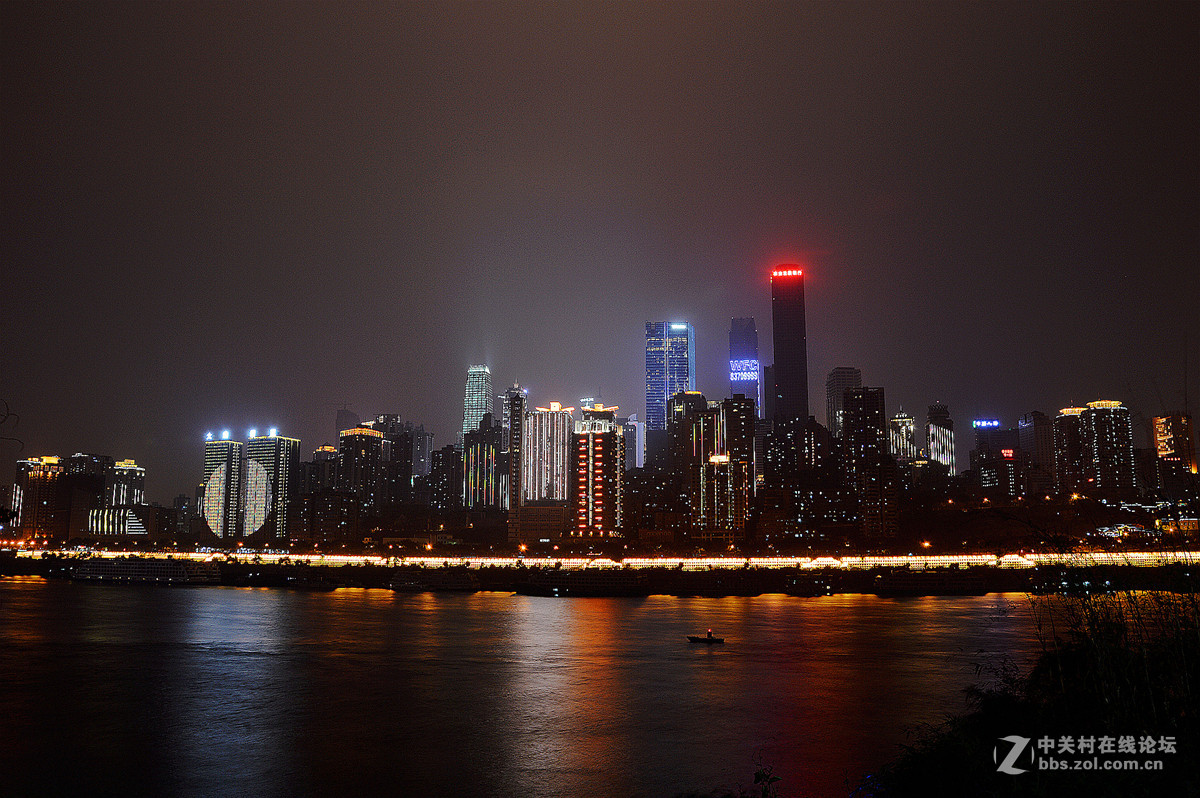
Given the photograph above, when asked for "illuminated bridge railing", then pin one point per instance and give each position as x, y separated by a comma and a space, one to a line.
847, 562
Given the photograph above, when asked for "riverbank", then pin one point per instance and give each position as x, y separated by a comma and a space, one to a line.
1111, 708
713, 582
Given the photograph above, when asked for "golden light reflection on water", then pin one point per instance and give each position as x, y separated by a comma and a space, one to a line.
356, 689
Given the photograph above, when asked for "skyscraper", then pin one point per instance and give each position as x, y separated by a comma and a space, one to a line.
743, 361
1175, 442
599, 465
361, 466
902, 435
548, 458
836, 384
222, 485
477, 397
870, 471
1108, 450
272, 474
1068, 450
39, 505
514, 431
482, 450
1035, 439
670, 367
939, 436
789, 339
504, 408
124, 483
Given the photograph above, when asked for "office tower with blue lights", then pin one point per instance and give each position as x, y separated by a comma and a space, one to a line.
836, 384
222, 506
743, 361
272, 476
477, 397
790, 342
670, 367
939, 436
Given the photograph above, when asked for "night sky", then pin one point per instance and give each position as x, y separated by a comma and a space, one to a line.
233, 215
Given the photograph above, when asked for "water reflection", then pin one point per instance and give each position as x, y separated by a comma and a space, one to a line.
225, 691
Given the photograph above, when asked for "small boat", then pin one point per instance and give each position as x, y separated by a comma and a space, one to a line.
709, 639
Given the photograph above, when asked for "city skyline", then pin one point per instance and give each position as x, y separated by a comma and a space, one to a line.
993, 208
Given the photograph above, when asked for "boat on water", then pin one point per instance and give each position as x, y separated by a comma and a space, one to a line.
148, 570
584, 583
708, 638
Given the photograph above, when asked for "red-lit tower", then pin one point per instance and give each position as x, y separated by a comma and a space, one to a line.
599, 466
790, 343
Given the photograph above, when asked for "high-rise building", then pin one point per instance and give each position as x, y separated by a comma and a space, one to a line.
722, 473
836, 384
222, 507
869, 469
939, 436
1068, 450
124, 484
477, 397
422, 451
396, 470
790, 342
743, 361
670, 367
446, 479
548, 456
991, 439
1035, 439
504, 407
902, 436
514, 431
599, 467
1175, 442
1107, 432
482, 450
635, 441
40, 506
272, 476
361, 466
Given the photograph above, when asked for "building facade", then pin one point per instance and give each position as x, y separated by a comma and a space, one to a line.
939, 437
790, 342
670, 367
599, 468
272, 478
744, 371
222, 506
836, 384
477, 397
548, 453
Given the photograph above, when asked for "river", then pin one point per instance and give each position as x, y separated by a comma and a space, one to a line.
219, 691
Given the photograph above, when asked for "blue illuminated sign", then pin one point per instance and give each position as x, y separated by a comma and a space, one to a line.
985, 423
743, 371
